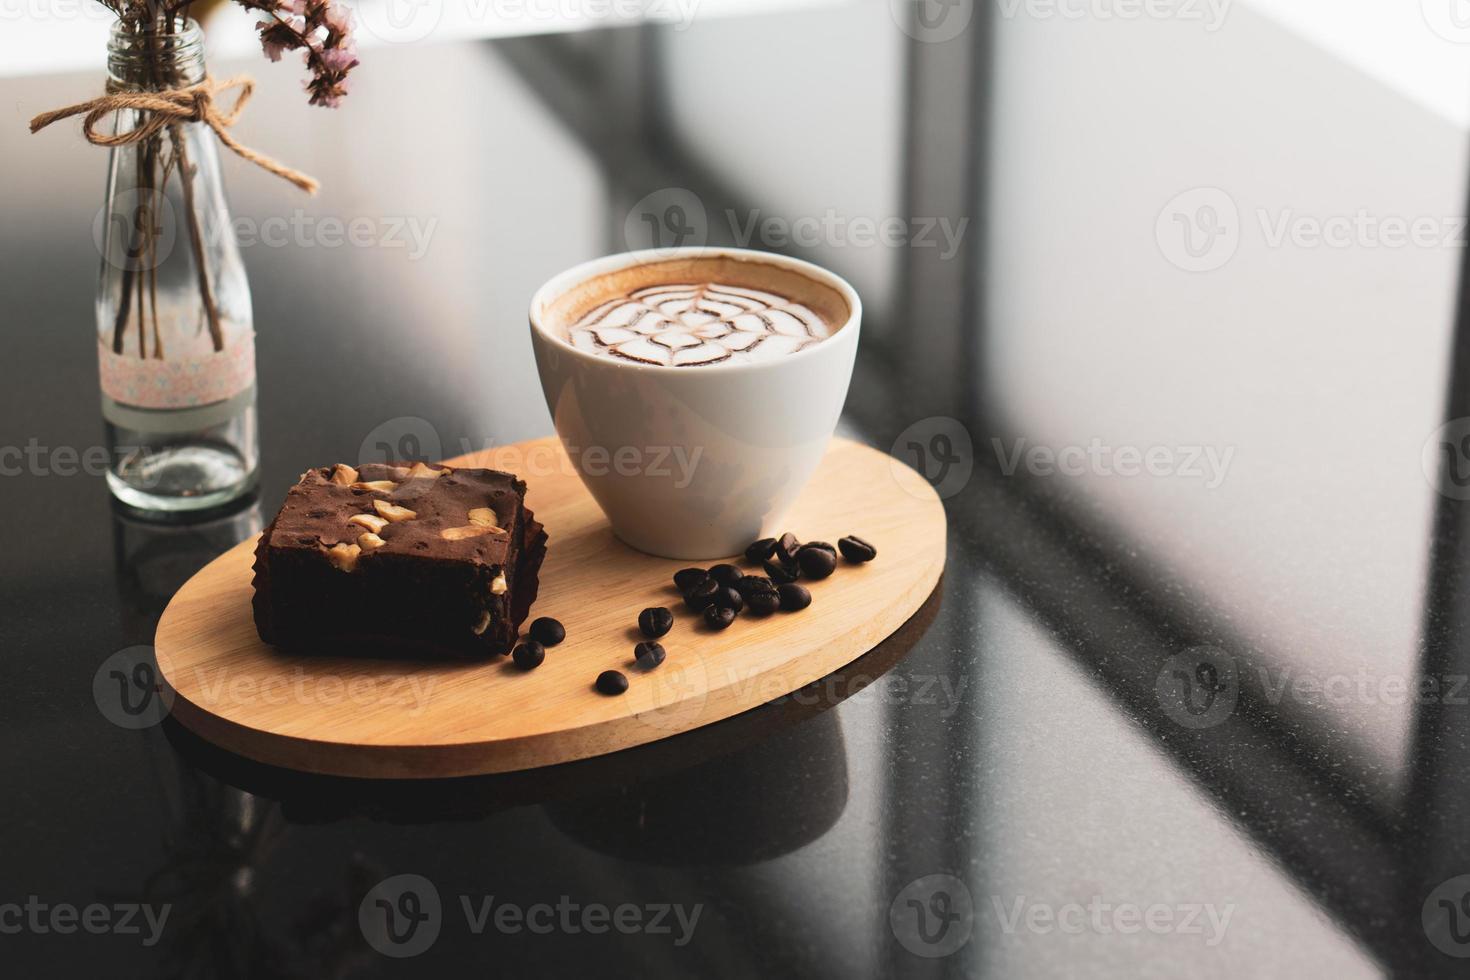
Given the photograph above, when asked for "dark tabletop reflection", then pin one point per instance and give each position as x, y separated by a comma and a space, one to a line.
154, 559
737, 793
1102, 709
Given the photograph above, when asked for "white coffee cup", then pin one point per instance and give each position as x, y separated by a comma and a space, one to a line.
694, 462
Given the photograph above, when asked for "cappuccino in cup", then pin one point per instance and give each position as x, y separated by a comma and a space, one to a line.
733, 361
698, 312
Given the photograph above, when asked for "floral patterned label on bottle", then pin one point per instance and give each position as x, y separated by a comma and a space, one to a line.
185, 382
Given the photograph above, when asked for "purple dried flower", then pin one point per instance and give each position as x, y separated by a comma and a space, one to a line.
340, 60
322, 31
277, 37
338, 19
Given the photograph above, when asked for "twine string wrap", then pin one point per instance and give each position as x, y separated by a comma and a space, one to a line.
193, 103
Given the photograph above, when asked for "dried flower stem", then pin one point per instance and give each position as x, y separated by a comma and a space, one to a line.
146, 220
120, 323
152, 187
196, 240
153, 278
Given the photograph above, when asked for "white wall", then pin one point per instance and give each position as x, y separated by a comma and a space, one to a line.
1420, 48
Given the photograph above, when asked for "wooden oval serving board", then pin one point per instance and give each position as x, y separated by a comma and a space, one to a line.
401, 719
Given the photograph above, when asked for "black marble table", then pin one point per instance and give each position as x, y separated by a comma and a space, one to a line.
1191, 698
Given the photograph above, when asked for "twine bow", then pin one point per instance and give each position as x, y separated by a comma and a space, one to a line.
194, 103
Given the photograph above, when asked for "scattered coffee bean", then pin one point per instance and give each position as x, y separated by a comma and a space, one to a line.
547, 631
731, 599
718, 617
655, 622
760, 550
782, 572
816, 562
856, 550
612, 682
649, 654
794, 597
754, 583
763, 603
528, 655
687, 579
726, 574
786, 548
702, 594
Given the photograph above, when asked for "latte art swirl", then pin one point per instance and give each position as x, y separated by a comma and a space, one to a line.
695, 324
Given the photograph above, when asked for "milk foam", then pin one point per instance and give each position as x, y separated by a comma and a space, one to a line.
696, 324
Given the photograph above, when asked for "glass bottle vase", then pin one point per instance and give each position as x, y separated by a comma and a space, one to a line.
175, 335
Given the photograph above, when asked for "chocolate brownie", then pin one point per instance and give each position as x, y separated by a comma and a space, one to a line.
399, 559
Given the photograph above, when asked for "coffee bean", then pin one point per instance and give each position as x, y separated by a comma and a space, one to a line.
856, 550
794, 597
763, 603
655, 622
730, 599
686, 579
718, 617
702, 594
547, 631
649, 654
760, 550
816, 562
750, 584
782, 572
726, 574
612, 682
786, 548
528, 655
